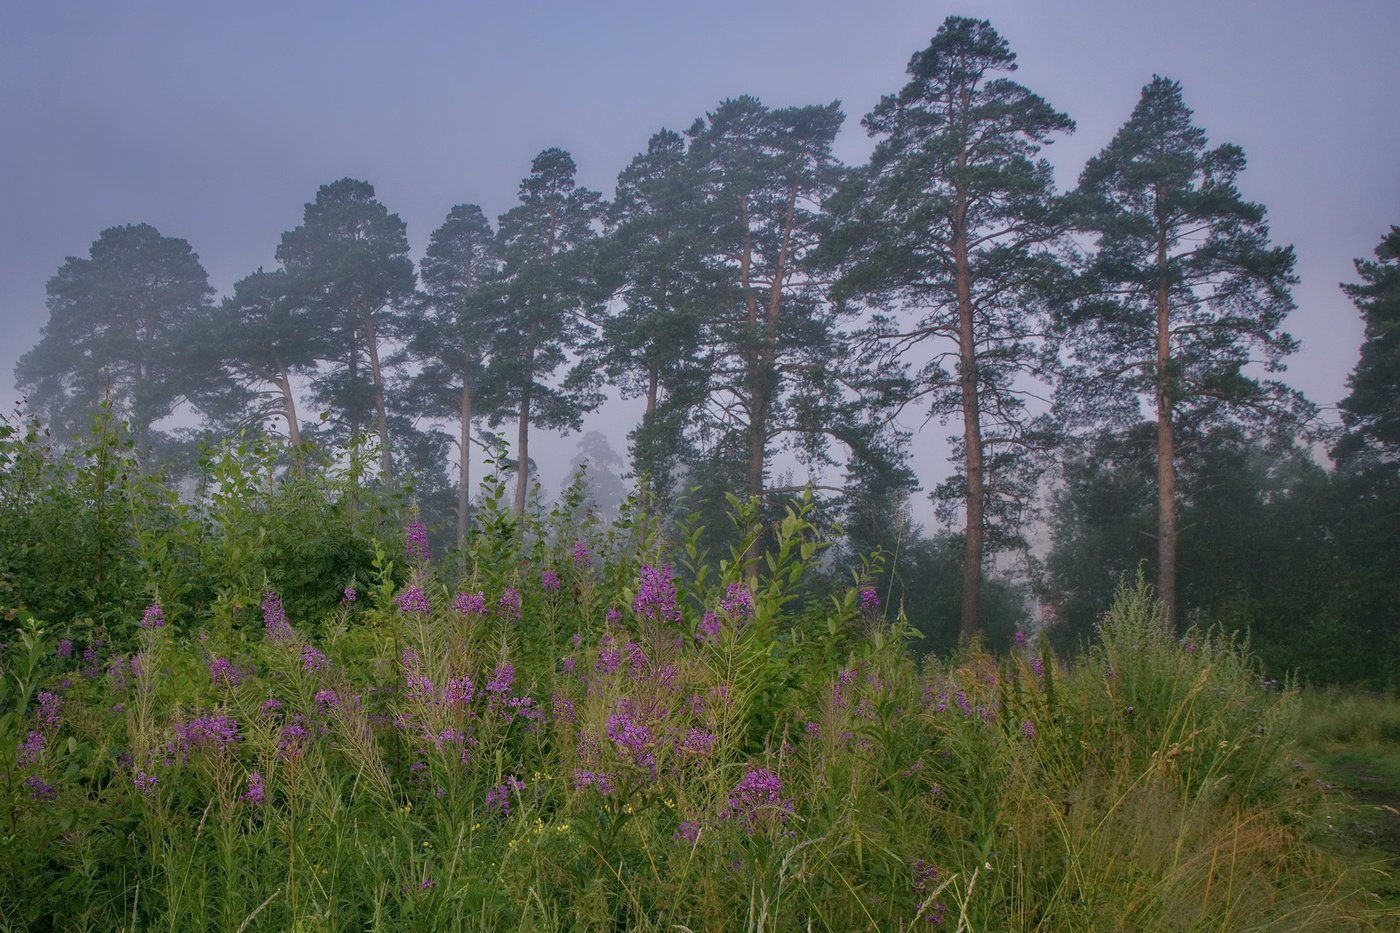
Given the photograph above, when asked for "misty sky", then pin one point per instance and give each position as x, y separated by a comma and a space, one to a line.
217, 122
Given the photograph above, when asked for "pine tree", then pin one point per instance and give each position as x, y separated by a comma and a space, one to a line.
947, 234
348, 270
114, 332
651, 345
1183, 292
545, 298
449, 339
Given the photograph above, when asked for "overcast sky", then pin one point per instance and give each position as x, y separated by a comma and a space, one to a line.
217, 122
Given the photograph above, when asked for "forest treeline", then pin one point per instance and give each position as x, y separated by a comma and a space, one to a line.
1106, 357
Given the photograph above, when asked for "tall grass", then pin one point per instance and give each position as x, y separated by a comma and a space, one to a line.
552, 729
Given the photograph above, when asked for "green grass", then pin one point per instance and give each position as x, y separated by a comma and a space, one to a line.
1351, 742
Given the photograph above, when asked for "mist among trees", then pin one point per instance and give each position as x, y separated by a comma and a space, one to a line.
1105, 359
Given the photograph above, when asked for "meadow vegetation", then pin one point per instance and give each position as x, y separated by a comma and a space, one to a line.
265, 704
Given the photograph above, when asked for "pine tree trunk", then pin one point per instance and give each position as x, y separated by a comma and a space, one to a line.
758, 427
972, 436
522, 442
386, 460
1166, 445
289, 406
464, 472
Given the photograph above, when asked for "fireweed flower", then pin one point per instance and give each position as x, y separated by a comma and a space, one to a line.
598, 779
631, 738
581, 556
737, 602
697, 742
759, 794
710, 629
869, 599
416, 544
470, 604
312, 660
460, 691
327, 699
656, 598
688, 831
498, 798
501, 680
154, 617
509, 604
1028, 730
50, 710
275, 618
224, 674
613, 615
412, 599
549, 581
39, 790
292, 742
256, 792
347, 598
145, 783
207, 732
65, 648
31, 749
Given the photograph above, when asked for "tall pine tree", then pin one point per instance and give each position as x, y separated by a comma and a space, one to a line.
1184, 291
348, 270
545, 297
116, 323
448, 341
947, 234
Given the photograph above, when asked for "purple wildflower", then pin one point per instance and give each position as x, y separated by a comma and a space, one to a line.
31, 749
347, 598
327, 699
631, 737
224, 674
760, 793
498, 798
737, 602
869, 599
470, 604
1038, 668
563, 708
50, 708
292, 742
710, 628
598, 779
698, 742
613, 616
1020, 638
412, 599
275, 618
312, 660
608, 661
65, 648
154, 617
501, 680
460, 691
509, 603
568, 665
39, 790
656, 598
271, 707
581, 556
256, 792
145, 783
549, 581
1028, 730
416, 545
210, 731
688, 831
